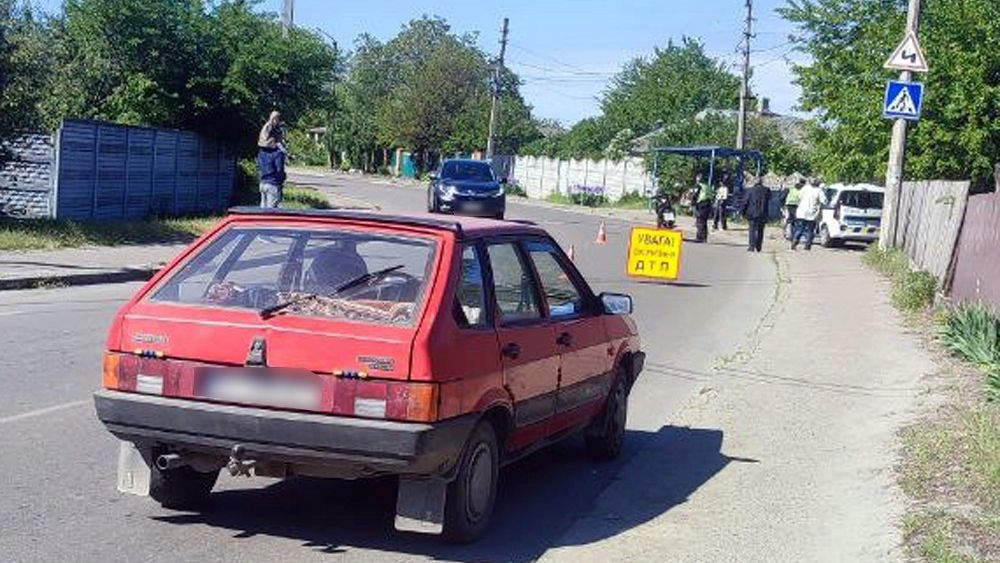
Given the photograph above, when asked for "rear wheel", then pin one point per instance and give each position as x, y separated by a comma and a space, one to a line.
181, 487
607, 433
472, 494
824, 237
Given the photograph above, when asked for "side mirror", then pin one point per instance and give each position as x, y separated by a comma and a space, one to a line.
616, 303
432, 176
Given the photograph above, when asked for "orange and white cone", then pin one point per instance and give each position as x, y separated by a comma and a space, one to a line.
602, 234
572, 253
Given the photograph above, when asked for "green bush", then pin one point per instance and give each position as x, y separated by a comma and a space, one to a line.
913, 290
889, 262
972, 332
304, 151
514, 188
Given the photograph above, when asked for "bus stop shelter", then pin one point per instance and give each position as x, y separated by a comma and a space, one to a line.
712, 153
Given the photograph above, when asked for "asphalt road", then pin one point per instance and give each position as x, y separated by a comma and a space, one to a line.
57, 490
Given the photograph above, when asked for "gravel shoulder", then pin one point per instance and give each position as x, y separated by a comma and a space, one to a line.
806, 413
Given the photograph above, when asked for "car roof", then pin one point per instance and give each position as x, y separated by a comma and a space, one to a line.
466, 160
857, 188
463, 227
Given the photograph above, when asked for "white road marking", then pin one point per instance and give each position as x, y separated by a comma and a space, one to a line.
43, 411
10, 313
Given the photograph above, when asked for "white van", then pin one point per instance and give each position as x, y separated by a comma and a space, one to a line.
854, 213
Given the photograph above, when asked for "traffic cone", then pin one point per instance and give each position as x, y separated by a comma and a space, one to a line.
602, 234
572, 253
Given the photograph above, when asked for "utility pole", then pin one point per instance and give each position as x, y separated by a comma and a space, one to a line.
897, 152
287, 17
495, 87
741, 128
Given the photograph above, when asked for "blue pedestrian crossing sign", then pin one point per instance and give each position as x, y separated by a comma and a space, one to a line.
903, 100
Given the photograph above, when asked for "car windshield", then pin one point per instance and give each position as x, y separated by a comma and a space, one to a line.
351, 275
862, 200
468, 171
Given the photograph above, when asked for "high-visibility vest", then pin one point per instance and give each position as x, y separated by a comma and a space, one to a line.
705, 193
794, 196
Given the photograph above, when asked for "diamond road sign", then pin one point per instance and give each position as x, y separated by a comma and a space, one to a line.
903, 100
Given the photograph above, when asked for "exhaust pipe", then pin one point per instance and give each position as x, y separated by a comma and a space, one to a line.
167, 462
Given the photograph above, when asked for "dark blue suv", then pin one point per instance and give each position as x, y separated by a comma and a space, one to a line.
466, 187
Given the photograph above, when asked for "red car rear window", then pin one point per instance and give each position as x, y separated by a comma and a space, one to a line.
338, 273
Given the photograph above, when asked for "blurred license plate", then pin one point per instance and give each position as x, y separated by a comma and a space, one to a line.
261, 387
474, 206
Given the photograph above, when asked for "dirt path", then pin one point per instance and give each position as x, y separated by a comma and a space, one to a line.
808, 412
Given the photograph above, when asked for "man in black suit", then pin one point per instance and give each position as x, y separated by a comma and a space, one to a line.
755, 209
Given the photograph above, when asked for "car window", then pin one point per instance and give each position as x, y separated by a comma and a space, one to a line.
563, 297
353, 275
468, 171
513, 285
862, 200
470, 297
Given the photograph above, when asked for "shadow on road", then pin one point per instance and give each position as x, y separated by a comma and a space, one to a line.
540, 498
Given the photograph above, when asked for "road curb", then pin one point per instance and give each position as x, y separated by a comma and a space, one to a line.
95, 278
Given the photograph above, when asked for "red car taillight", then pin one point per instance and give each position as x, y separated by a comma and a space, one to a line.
416, 402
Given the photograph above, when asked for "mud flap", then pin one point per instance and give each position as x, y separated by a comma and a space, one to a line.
420, 505
134, 472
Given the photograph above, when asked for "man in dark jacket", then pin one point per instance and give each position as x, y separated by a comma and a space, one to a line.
755, 209
271, 163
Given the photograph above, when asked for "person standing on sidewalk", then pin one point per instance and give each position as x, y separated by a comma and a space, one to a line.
703, 198
811, 202
721, 205
755, 209
271, 161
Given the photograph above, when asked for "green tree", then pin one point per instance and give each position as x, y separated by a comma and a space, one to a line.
675, 83
427, 90
25, 56
958, 136
669, 87
217, 68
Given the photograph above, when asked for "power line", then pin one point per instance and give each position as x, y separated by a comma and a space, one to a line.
562, 72
548, 58
566, 79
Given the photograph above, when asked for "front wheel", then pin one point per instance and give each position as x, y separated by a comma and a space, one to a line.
607, 433
472, 494
181, 488
432, 203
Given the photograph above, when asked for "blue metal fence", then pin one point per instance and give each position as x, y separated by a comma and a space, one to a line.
109, 171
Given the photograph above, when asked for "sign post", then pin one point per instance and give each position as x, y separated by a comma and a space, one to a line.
654, 253
908, 57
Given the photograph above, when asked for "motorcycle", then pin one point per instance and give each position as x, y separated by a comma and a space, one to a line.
666, 217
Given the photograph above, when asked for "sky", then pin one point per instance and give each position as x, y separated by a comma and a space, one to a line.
565, 51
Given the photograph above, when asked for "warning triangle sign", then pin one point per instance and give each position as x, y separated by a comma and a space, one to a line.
908, 56
903, 104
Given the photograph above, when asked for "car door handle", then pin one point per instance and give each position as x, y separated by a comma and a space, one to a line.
512, 350
564, 339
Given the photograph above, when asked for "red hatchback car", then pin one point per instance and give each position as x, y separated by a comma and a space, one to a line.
351, 345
